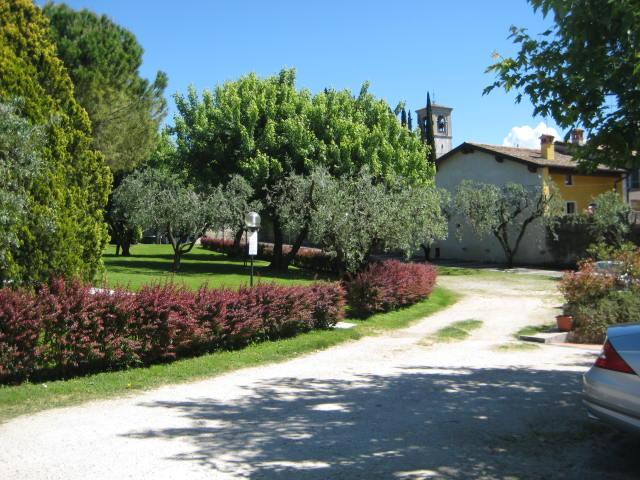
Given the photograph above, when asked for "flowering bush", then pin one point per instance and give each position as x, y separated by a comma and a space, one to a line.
309, 258
389, 285
602, 294
67, 329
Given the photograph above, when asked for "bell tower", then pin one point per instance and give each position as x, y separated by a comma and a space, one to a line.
442, 127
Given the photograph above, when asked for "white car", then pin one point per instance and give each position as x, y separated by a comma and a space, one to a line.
612, 385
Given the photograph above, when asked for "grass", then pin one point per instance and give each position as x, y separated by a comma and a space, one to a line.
31, 398
456, 331
152, 263
533, 330
516, 347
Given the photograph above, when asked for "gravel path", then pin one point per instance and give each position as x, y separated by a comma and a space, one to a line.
394, 406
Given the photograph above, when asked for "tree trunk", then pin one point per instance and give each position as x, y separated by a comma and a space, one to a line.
427, 252
117, 247
237, 243
277, 262
126, 247
176, 260
295, 248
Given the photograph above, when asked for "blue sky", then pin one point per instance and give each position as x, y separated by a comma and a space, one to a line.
404, 49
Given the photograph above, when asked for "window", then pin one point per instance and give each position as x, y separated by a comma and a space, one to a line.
568, 179
570, 207
442, 124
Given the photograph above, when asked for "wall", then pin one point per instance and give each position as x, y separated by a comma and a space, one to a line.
484, 168
584, 187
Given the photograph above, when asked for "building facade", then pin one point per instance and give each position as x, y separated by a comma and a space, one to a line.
534, 168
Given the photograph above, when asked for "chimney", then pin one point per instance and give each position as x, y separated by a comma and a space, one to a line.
577, 136
546, 147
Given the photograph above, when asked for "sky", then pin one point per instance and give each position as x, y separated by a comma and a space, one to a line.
403, 48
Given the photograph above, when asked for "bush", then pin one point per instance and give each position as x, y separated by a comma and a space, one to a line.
598, 298
389, 285
68, 329
592, 320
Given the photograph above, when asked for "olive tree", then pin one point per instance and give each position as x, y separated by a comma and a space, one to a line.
349, 216
159, 200
506, 212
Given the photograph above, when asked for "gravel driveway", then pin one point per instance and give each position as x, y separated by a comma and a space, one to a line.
393, 406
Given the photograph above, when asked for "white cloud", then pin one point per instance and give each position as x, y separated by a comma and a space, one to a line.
527, 137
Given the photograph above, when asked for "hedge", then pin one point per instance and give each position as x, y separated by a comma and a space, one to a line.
69, 329
307, 257
389, 285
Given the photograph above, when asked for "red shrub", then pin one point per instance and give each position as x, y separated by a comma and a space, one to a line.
389, 285
68, 329
20, 327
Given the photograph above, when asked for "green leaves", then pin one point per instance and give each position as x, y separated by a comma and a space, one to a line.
103, 60
64, 232
584, 71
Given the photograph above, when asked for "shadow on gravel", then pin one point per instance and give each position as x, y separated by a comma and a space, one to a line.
422, 423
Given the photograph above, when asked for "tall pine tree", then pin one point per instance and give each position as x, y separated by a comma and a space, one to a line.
428, 135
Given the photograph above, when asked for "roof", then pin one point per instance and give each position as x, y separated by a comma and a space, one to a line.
528, 156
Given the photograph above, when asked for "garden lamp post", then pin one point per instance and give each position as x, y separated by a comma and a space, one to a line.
252, 224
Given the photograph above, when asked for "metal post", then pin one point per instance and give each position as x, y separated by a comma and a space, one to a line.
251, 281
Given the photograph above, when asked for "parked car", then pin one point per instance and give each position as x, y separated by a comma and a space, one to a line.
612, 386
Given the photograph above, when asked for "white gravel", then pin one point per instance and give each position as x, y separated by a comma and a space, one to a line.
383, 407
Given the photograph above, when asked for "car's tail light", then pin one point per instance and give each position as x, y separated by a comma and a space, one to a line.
611, 360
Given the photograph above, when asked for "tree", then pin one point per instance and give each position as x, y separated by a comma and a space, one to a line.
160, 200
610, 222
583, 71
103, 60
64, 233
429, 136
267, 130
21, 147
349, 216
504, 211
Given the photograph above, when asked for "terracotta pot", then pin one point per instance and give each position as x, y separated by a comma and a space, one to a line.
565, 323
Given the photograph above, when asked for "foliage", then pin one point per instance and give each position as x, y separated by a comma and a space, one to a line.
428, 131
598, 297
162, 201
584, 70
585, 234
592, 320
64, 233
586, 286
103, 60
70, 329
389, 285
349, 216
267, 130
504, 211
21, 147
610, 222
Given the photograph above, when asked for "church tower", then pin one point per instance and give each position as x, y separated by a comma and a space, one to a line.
442, 127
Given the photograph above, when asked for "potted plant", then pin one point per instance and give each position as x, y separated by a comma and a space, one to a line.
564, 322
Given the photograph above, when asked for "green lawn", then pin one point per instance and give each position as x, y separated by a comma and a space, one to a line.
30, 398
152, 263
